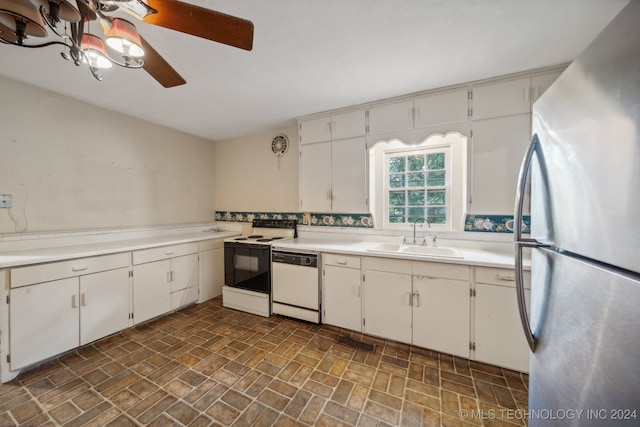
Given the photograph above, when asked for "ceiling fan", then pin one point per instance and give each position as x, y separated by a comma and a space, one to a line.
22, 19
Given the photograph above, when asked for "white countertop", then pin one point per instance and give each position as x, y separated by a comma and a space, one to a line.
95, 247
479, 257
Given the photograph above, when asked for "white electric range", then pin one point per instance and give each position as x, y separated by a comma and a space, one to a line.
247, 265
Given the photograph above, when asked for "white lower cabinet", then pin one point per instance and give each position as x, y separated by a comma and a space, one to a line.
104, 304
342, 291
211, 265
499, 339
164, 279
52, 317
387, 304
441, 314
44, 321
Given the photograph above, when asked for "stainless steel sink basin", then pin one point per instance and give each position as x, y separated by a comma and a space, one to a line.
441, 251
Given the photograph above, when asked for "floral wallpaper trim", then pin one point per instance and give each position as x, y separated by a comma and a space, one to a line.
341, 220
494, 223
304, 218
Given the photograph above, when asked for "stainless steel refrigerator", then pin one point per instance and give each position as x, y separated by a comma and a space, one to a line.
583, 167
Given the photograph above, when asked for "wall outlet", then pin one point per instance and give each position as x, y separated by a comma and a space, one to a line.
5, 201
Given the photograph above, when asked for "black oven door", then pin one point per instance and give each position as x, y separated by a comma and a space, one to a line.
247, 266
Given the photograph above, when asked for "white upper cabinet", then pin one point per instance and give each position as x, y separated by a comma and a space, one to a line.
391, 117
502, 99
315, 177
348, 125
429, 110
337, 126
442, 108
539, 84
349, 175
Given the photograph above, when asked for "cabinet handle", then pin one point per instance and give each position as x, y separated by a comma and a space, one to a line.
79, 268
416, 299
342, 262
83, 300
410, 298
170, 253
168, 276
506, 277
73, 301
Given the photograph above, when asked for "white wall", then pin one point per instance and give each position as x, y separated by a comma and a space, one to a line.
70, 165
249, 177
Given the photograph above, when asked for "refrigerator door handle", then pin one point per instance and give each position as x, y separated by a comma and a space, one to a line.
521, 242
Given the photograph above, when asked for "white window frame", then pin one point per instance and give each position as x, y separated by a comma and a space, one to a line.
454, 145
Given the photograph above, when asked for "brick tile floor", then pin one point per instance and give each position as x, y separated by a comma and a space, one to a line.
208, 365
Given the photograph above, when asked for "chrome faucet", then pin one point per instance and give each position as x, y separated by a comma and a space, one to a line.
414, 227
433, 240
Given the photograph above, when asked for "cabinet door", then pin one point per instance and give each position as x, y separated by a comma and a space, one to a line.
498, 332
151, 290
211, 274
539, 84
315, 130
315, 177
349, 175
442, 108
184, 272
441, 315
391, 117
342, 303
502, 99
498, 146
348, 125
104, 304
387, 305
184, 280
44, 321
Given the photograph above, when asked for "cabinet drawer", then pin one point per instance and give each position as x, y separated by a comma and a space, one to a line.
442, 270
164, 252
388, 265
341, 260
61, 270
207, 245
500, 277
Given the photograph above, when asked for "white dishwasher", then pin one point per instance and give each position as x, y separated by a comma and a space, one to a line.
295, 285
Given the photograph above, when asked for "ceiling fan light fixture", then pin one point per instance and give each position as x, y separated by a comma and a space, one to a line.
23, 18
56, 10
95, 52
123, 37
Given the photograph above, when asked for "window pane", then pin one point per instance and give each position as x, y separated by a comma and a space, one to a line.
396, 164
435, 161
415, 180
396, 215
396, 180
415, 163
397, 198
436, 179
414, 213
416, 198
437, 215
436, 197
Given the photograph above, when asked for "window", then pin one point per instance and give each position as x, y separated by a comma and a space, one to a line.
424, 180
416, 187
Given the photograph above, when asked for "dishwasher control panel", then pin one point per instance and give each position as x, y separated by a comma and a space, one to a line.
293, 258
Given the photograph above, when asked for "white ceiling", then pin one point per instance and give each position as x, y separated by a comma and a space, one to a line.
315, 55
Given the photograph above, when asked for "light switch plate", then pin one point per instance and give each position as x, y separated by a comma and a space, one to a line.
5, 201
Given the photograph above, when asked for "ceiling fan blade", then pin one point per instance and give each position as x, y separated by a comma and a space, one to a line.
201, 22
158, 68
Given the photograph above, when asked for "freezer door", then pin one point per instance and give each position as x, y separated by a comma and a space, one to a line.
585, 180
587, 357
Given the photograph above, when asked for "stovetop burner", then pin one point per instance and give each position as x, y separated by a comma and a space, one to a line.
266, 231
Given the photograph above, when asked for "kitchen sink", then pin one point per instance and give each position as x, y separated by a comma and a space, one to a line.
440, 251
